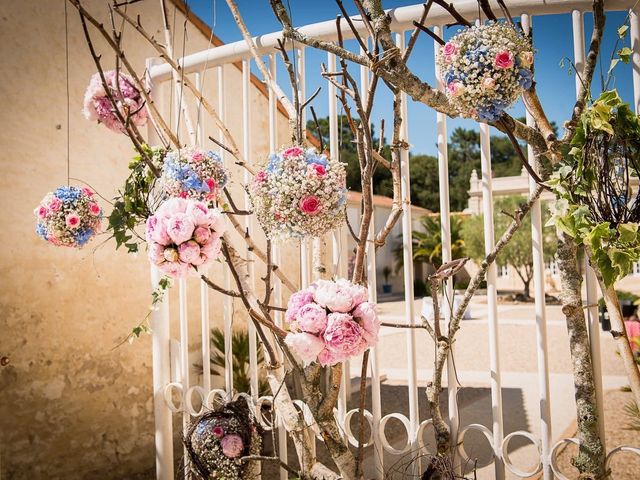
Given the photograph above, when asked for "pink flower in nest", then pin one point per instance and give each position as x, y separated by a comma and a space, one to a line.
504, 60
293, 152
310, 205
232, 446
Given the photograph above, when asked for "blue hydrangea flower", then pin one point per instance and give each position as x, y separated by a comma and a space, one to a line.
68, 194
192, 182
490, 113
214, 156
274, 163
83, 236
525, 78
41, 230
312, 156
449, 77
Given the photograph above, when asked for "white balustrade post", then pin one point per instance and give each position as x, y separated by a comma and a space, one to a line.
160, 347
492, 301
634, 20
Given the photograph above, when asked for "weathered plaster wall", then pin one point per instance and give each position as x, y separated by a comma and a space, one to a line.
72, 406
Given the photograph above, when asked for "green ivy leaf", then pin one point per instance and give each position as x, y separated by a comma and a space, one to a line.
628, 232
625, 54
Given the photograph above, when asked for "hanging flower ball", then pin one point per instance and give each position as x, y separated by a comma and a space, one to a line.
485, 69
299, 193
68, 216
217, 441
98, 106
183, 235
331, 321
193, 173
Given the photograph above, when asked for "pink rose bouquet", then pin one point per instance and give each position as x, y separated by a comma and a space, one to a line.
193, 173
299, 193
485, 69
68, 216
331, 321
183, 235
130, 103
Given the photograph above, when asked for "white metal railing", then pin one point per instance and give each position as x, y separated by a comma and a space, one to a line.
166, 387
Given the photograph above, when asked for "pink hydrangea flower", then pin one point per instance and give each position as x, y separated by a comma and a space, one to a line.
72, 220
343, 335
305, 345
189, 251
312, 318
180, 227
504, 59
293, 152
310, 205
296, 302
366, 314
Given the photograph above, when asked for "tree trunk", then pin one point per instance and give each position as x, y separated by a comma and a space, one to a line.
591, 455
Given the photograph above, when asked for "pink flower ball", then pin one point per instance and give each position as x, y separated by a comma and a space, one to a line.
232, 446
72, 220
449, 49
312, 318
310, 205
189, 252
366, 314
504, 60
94, 209
305, 345
202, 235
343, 336
180, 227
293, 152
296, 302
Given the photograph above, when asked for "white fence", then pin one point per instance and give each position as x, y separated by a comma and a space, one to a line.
174, 394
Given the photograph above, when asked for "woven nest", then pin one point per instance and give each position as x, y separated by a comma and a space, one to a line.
207, 452
615, 164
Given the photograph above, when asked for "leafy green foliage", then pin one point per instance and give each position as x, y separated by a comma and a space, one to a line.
632, 412
517, 253
240, 360
131, 206
614, 247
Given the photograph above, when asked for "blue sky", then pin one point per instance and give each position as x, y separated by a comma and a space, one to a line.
552, 41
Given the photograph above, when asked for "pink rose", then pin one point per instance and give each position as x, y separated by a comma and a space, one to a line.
174, 269
197, 156
312, 318
455, 88
293, 152
327, 358
189, 251
316, 169
305, 345
366, 313
232, 446
218, 431
343, 336
310, 205
296, 302
94, 209
87, 191
41, 211
337, 297
503, 60
449, 49
72, 220
202, 235
156, 253
213, 248
489, 83
171, 254
526, 58
55, 204
180, 227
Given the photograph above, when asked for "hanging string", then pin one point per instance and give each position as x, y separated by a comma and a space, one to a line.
66, 58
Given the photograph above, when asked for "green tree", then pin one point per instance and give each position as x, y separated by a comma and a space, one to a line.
517, 254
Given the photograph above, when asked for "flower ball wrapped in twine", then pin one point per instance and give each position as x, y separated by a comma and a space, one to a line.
331, 321
299, 193
193, 173
130, 103
485, 69
184, 235
217, 440
68, 217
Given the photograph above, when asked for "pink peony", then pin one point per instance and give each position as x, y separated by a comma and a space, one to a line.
366, 313
526, 58
449, 49
180, 227
41, 211
504, 59
171, 255
312, 318
232, 446
343, 336
94, 209
359, 293
189, 251
455, 88
326, 357
171, 206
55, 204
72, 220
174, 269
305, 345
212, 248
296, 302
489, 83
293, 152
202, 235
156, 253
337, 296
198, 212
157, 230
310, 205
216, 221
